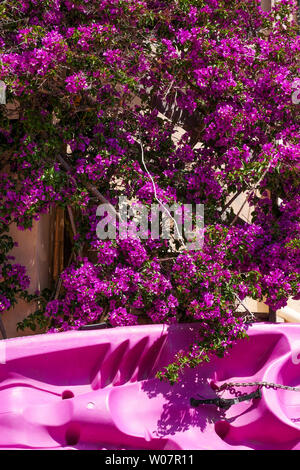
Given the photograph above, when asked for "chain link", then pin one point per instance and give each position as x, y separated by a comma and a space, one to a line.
230, 385
226, 403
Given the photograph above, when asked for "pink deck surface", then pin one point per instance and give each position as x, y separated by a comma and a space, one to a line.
97, 390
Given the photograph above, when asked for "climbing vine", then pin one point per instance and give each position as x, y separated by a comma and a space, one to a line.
202, 90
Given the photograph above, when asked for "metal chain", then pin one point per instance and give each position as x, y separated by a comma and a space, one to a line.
230, 385
226, 403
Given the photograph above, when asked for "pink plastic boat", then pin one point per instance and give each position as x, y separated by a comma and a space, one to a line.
96, 390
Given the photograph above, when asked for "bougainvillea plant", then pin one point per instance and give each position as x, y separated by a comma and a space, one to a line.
196, 93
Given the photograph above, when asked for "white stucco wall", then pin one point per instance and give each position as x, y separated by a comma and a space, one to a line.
33, 252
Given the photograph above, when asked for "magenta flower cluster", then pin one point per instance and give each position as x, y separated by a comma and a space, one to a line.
201, 92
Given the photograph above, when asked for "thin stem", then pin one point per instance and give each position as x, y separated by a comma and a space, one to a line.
73, 225
71, 216
250, 194
156, 197
59, 282
89, 186
246, 308
231, 201
2, 329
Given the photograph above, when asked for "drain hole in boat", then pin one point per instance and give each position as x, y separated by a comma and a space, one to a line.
72, 436
222, 428
67, 394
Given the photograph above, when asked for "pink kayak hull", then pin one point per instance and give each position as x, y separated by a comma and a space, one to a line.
97, 390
